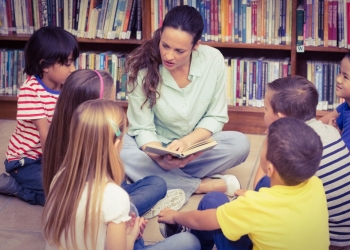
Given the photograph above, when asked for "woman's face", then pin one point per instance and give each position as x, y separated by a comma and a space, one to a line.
175, 48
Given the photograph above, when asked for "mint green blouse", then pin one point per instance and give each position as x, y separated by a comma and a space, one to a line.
178, 111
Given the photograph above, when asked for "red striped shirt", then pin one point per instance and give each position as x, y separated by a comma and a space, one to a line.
34, 102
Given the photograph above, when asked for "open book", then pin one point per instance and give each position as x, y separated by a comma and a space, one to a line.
197, 147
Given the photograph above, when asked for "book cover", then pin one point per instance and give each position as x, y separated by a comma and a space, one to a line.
201, 146
319, 82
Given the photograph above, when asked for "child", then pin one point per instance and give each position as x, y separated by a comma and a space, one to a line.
49, 59
341, 115
86, 207
292, 214
297, 97
81, 86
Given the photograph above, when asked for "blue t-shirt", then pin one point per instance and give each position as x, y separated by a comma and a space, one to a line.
343, 122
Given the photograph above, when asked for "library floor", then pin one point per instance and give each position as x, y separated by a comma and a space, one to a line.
20, 223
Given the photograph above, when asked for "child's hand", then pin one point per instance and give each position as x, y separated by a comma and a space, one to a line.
240, 192
333, 122
142, 225
167, 216
133, 227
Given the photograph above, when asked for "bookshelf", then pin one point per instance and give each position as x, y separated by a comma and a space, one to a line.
241, 118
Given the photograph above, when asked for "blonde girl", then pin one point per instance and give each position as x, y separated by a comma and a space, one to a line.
86, 208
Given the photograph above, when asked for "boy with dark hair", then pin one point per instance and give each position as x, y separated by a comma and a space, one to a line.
292, 214
297, 97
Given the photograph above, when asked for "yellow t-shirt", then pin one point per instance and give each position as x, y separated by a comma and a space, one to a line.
280, 217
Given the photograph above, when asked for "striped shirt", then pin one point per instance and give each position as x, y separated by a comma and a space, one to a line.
334, 171
35, 101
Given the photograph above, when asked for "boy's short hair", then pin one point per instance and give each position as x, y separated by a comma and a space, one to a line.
294, 96
47, 46
294, 149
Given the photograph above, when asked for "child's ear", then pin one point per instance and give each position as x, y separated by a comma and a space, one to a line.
270, 169
44, 69
281, 115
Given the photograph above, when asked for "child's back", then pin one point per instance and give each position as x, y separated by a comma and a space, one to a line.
280, 217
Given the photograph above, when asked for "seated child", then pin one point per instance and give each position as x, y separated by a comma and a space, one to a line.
297, 97
340, 116
292, 214
49, 59
86, 208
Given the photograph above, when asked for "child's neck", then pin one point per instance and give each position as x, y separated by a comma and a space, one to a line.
276, 180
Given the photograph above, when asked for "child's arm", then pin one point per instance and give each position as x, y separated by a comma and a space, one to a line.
123, 235
42, 125
199, 220
327, 118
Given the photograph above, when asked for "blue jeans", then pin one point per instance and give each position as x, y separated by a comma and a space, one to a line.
233, 149
208, 238
183, 241
27, 172
145, 193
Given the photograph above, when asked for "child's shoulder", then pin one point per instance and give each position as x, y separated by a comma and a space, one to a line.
327, 133
30, 83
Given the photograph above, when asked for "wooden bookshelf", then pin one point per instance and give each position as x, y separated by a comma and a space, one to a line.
244, 119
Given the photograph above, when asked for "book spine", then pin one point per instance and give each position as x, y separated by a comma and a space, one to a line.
132, 19
325, 85
238, 82
335, 23
300, 24
331, 86
244, 21
139, 21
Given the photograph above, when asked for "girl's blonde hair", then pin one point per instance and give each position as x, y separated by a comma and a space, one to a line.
91, 159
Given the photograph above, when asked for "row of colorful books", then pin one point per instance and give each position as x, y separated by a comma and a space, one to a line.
107, 19
238, 21
323, 74
323, 23
247, 78
12, 68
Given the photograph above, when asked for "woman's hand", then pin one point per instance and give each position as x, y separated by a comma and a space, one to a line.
169, 162
178, 145
167, 216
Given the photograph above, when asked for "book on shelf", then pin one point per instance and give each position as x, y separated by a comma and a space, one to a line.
201, 146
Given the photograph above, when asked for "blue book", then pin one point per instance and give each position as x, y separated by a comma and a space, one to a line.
236, 21
244, 21
202, 11
9, 71
318, 82
207, 24
259, 79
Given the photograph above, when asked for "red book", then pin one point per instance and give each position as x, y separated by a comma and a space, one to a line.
160, 14
335, 23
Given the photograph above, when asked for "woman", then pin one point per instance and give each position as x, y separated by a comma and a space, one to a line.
177, 97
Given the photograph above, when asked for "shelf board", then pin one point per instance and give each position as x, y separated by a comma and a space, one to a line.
325, 49
8, 98
248, 46
80, 40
